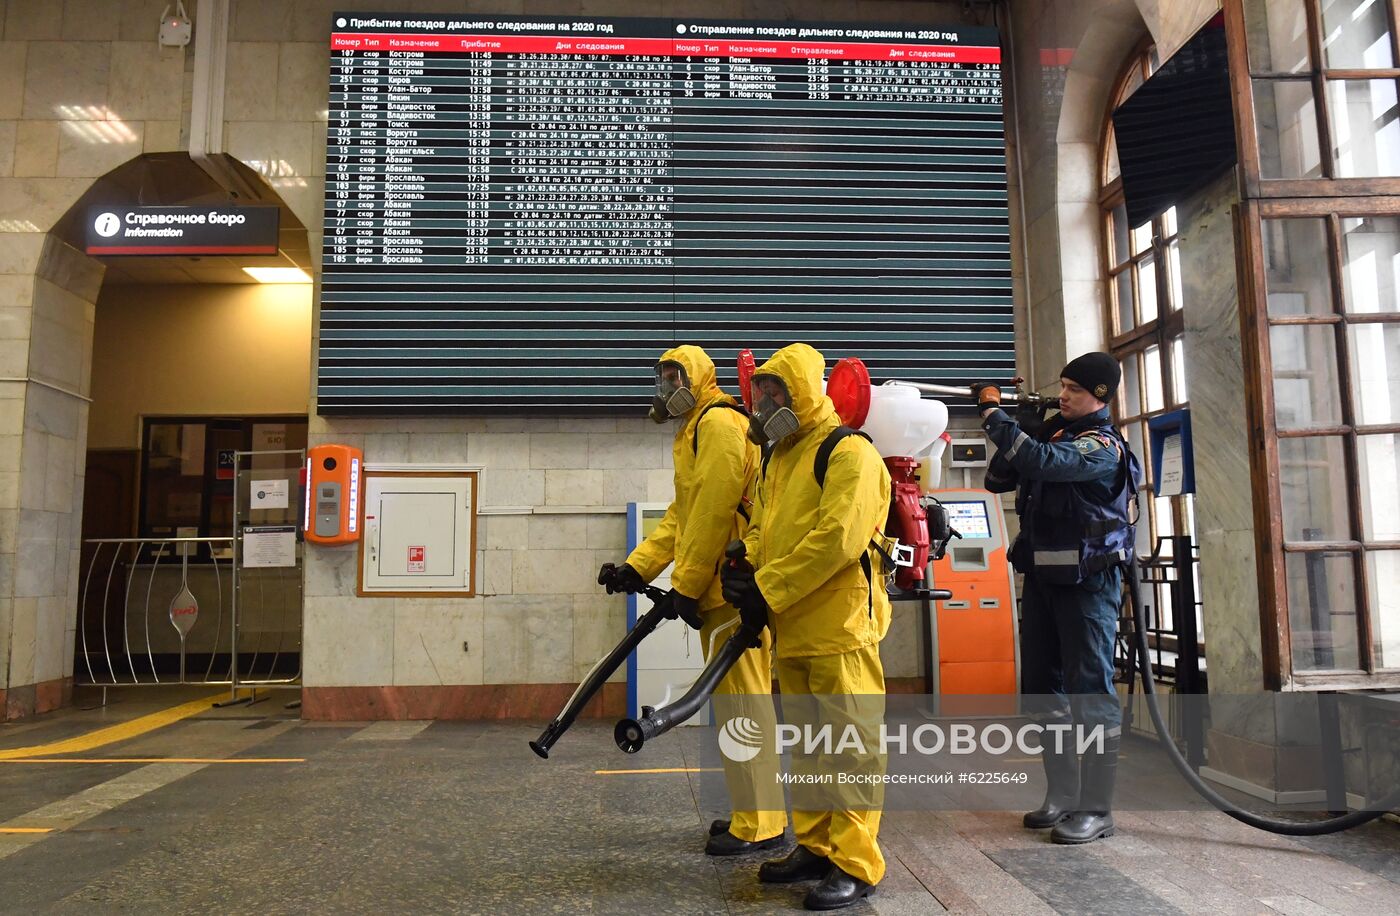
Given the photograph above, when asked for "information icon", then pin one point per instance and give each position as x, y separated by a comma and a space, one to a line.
108, 225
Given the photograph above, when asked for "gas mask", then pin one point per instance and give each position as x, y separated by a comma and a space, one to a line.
769, 422
673, 396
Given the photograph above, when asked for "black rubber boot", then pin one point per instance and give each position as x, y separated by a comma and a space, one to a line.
727, 844
1061, 787
799, 865
837, 889
1094, 818
718, 827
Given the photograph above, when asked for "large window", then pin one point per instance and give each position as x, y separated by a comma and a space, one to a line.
1143, 267
187, 470
1320, 152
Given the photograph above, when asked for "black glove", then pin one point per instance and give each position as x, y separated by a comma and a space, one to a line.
741, 590
618, 579
986, 394
675, 605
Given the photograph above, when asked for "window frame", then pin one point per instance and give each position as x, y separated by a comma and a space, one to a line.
1169, 326
1318, 76
1332, 199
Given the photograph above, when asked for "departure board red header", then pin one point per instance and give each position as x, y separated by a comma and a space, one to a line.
523, 213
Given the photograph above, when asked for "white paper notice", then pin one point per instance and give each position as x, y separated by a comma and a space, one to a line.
268, 494
1172, 467
269, 547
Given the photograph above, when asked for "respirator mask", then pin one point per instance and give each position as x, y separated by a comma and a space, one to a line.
673, 396
772, 420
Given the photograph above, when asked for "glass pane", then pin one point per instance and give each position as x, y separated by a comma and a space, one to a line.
1378, 462
1295, 267
1287, 127
1123, 293
1147, 290
1112, 170
1120, 234
1169, 222
1129, 389
1174, 272
1179, 370
1277, 33
1383, 579
1305, 376
1313, 484
1322, 611
1133, 433
175, 461
1365, 132
1152, 361
1371, 264
1165, 526
1142, 238
1375, 372
1131, 84
1355, 34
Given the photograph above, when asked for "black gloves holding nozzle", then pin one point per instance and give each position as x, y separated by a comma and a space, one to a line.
620, 579
987, 395
736, 576
674, 605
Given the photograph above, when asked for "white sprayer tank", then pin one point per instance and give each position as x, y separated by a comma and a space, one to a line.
901, 423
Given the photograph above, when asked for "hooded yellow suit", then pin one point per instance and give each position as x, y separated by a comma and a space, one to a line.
828, 608
714, 469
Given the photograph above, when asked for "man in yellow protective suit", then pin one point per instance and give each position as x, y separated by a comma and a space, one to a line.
715, 464
811, 561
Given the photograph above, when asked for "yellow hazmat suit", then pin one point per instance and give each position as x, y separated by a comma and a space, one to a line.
828, 609
713, 476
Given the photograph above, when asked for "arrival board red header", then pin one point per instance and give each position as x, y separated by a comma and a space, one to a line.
523, 212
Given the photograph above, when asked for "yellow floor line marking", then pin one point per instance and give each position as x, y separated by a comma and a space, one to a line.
113, 733
662, 770
26, 830
157, 760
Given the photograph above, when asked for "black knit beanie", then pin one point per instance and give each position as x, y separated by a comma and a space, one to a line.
1097, 373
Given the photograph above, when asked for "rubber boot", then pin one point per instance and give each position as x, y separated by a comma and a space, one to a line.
799, 865
1094, 818
1061, 788
838, 889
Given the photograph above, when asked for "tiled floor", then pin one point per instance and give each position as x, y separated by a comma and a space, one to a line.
461, 817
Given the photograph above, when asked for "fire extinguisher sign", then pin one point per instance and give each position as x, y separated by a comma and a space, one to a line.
416, 559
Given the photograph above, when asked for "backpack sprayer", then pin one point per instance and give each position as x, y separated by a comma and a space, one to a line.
631, 734
661, 610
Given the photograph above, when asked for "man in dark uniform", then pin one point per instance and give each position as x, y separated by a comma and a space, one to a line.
1076, 488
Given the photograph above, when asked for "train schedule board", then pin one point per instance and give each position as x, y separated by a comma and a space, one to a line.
522, 213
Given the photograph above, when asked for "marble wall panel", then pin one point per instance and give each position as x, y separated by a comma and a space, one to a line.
429, 640
33, 20
348, 643
66, 80
142, 77
36, 149
529, 640
303, 72
9, 134
249, 97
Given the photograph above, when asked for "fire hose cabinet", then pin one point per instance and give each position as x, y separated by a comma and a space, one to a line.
419, 534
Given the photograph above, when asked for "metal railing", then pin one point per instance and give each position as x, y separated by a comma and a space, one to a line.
144, 616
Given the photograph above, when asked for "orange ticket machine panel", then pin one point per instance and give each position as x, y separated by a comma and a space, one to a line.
974, 638
333, 494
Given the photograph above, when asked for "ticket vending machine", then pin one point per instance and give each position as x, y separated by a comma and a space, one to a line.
974, 642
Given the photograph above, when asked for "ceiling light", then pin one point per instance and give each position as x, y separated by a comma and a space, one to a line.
278, 274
